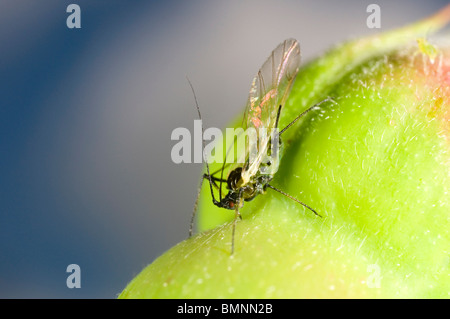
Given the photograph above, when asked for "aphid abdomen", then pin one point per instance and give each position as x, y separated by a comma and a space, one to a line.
235, 179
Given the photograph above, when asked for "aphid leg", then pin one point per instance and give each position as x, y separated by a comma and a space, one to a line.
236, 215
220, 169
301, 115
214, 180
211, 185
278, 116
225, 164
293, 198
194, 212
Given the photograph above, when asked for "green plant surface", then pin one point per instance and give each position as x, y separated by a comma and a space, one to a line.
375, 163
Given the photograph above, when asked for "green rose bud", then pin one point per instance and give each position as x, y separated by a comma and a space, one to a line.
375, 164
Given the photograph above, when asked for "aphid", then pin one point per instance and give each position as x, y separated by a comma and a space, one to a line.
269, 91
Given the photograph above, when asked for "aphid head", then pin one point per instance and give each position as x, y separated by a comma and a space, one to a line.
230, 200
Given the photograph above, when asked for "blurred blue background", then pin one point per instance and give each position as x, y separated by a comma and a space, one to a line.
86, 117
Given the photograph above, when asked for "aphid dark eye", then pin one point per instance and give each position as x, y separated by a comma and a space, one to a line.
269, 163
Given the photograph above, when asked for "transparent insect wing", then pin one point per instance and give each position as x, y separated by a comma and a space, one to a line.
272, 84
270, 89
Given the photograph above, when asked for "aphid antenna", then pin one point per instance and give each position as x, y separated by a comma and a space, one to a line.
304, 113
281, 132
293, 198
191, 227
